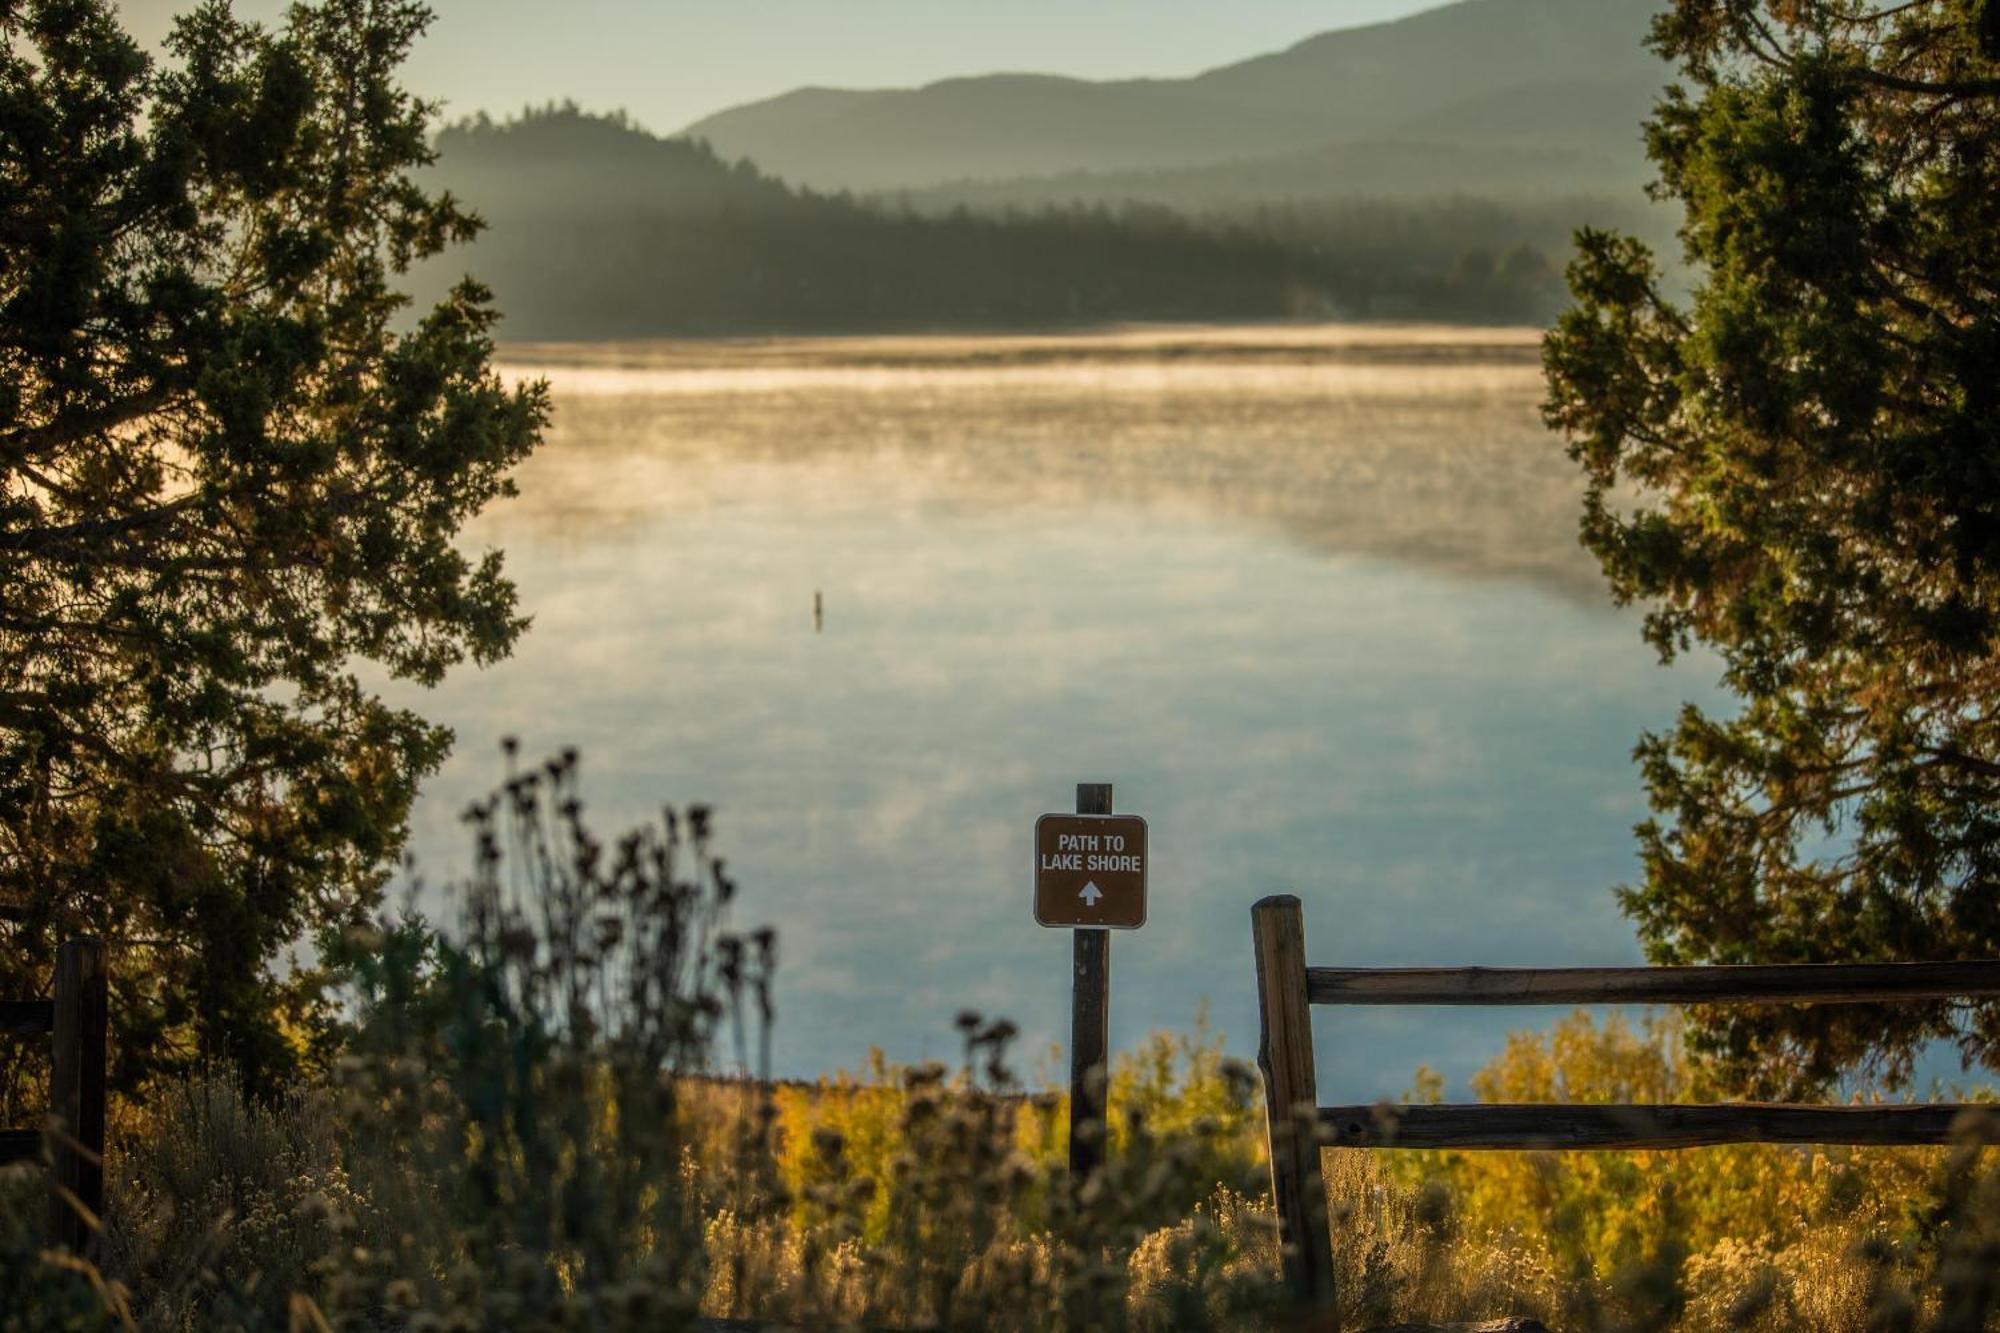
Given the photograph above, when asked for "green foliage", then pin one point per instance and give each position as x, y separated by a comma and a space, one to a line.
224, 1205
924, 1198
227, 474
1801, 472
1180, 1086
1748, 1236
511, 1096
527, 1132
343, 1203
846, 1151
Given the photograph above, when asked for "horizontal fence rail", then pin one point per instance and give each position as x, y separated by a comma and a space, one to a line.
1793, 983
27, 1018
1299, 1126
1543, 1126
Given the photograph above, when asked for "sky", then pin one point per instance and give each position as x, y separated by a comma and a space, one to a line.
671, 62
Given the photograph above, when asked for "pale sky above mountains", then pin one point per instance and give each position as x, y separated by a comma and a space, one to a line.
671, 62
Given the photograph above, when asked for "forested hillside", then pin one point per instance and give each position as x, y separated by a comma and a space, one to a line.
599, 229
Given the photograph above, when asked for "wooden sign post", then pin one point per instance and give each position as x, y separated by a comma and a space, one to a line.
1090, 876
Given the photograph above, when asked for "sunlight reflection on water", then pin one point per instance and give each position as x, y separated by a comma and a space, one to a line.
1310, 599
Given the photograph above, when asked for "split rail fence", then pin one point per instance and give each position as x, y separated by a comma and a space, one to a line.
1300, 1127
75, 1020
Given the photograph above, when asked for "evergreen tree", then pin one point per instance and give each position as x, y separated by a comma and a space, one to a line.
228, 474
1800, 470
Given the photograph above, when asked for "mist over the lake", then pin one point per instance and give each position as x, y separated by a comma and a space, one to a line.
1307, 597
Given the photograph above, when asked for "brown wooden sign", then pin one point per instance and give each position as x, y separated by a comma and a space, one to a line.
1090, 871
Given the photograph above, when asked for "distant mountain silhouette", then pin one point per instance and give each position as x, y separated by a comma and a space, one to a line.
1554, 77
1409, 169
565, 161
598, 229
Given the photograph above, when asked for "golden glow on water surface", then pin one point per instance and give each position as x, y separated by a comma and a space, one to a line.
1311, 599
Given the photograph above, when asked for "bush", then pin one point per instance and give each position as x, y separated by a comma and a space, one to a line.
513, 1094
223, 1204
531, 1128
1750, 1235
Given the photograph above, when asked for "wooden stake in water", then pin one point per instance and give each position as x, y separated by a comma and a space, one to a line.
1089, 1024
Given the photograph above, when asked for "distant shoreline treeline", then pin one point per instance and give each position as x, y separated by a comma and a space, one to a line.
598, 229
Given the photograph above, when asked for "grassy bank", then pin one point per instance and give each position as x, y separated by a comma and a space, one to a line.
523, 1129
928, 1196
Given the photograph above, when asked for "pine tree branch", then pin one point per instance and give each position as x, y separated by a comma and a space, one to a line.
39, 541
28, 441
1929, 88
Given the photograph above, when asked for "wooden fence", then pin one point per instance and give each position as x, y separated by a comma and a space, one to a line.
1300, 1126
75, 1020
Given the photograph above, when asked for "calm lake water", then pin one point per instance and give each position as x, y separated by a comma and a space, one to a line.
1310, 598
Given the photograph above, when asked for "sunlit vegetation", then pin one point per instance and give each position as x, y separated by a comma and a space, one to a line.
1752, 1235
1795, 469
534, 1125
234, 467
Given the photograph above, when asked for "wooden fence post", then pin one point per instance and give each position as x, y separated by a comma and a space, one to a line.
76, 1098
1089, 1026
1291, 1102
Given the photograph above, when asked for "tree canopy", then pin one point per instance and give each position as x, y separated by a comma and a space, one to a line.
1799, 469
232, 469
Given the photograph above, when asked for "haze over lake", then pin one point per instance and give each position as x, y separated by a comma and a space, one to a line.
1310, 597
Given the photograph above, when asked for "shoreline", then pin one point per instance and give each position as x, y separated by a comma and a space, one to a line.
1136, 342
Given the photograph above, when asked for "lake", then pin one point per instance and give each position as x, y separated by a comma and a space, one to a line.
1309, 597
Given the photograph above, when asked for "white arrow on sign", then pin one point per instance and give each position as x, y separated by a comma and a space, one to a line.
1090, 893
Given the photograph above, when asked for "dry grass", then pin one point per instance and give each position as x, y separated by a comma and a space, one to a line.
524, 1136
919, 1197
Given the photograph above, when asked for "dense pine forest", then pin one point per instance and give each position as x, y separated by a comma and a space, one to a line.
597, 228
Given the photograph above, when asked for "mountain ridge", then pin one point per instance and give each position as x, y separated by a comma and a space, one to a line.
598, 229
1344, 85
